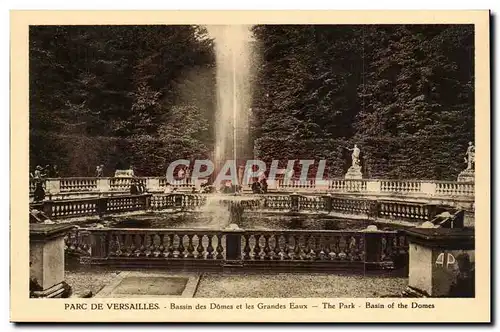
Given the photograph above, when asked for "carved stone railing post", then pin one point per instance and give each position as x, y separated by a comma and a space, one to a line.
47, 260
233, 245
99, 242
147, 202
153, 184
328, 202
428, 188
53, 186
373, 247
48, 208
103, 185
373, 210
178, 200
373, 186
431, 211
102, 206
294, 200
441, 262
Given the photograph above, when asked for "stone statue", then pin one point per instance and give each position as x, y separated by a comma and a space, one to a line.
354, 172
470, 156
355, 155
467, 175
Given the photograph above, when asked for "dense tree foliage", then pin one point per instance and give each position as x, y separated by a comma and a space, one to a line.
131, 82
145, 95
382, 87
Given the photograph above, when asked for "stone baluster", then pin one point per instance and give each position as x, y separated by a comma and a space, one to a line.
200, 250
170, 248
277, 249
180, 247
266, 249
210, 248
286, 247
256, 248
190, 247
246, 249
219, 248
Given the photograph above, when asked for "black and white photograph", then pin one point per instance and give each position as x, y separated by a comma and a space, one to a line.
252, 161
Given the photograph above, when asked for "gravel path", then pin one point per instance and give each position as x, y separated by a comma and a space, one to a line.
219, 285
82, 282
298, 285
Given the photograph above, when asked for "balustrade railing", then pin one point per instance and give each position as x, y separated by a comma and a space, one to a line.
278, 202
303, 245
185, 183
352, 206
408, 188
406, 210
311, 203
77, 184
306, 250
120, 184
455, 188
296, 184
362, 208
342, 185
400, 186
78, 242
83, 207
166, 244
183, 201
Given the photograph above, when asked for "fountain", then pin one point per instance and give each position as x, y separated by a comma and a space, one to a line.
233, 55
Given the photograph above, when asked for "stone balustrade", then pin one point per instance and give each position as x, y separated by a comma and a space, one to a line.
238, 248
327, 204
405, 211
296, 184
454, 188
400, 186
86, 207
76, 184
176, 200
343, 185
410, 188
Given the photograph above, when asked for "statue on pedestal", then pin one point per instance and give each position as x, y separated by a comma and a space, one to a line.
354, 172
355, 155
470, 156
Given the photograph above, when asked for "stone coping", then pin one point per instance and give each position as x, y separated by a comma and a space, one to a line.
44, 231
449, 238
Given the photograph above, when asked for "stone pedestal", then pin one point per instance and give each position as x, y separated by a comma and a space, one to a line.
103, 185
47, 260
441, 262
153, 185
354, 173
233, 246
466, 176
321, 185
373, 248
294, 202
53, 186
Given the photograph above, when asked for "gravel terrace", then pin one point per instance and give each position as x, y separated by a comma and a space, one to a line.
286, 285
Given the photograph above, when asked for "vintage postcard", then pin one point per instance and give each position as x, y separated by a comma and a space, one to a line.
250, 166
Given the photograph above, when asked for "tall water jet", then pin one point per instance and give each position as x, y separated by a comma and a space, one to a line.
233, 59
